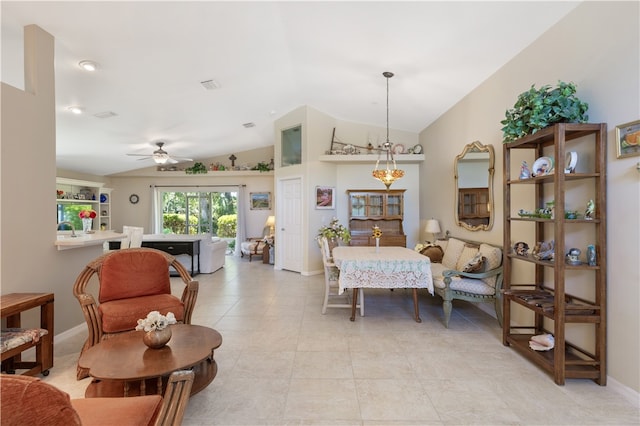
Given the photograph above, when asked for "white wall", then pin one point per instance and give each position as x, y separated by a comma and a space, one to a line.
597, 47
29, 261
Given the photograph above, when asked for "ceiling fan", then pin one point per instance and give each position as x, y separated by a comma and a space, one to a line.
160, 156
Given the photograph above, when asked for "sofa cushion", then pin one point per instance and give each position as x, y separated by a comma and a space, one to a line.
452, 253
475, 265
434, 253
468, 252
133, 275
30, 401
139, 410
467, 285
493, 257
123, 315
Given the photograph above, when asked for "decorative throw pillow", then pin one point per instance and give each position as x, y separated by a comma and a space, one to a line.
434, 253
475, 265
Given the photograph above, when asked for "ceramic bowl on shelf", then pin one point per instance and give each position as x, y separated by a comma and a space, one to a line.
543, 166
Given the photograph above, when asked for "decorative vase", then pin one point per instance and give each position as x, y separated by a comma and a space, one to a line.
156, 339
86, 224
377, 244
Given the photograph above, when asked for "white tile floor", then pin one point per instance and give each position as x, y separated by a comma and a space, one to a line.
284, 363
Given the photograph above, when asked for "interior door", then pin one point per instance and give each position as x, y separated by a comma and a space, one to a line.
289, 218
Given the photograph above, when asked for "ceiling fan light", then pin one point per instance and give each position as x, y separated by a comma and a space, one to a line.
160, 158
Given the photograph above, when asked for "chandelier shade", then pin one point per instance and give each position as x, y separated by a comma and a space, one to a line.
388, 175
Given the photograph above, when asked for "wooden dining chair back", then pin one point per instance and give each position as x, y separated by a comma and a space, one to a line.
331, 283
132, 283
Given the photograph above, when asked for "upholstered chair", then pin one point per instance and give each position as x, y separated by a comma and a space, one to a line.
132, 283
30, 401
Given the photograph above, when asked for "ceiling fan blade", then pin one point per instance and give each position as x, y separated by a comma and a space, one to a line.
139, 155
171, 160
181, 158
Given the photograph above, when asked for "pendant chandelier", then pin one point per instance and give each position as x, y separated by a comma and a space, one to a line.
387, 175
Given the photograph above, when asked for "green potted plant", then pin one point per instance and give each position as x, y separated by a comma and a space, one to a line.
335, 231
536, 109
197, 168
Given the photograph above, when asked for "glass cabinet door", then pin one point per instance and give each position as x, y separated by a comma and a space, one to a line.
358, 205
394, 205
375, 205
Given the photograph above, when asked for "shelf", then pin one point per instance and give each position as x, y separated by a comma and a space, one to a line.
542, 302
551, 177
575, 367
183, 174
549, 263
371, 158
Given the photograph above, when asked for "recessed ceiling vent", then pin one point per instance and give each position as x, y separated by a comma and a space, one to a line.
106, 114
210, 84
249, 125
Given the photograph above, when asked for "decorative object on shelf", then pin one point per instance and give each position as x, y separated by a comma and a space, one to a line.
376, 233
59, 193
398, 148
628, 139
591, 255
388, 175
133, 198
570, 214
573, 257
261, 167
541, 213
233, 159
536, 109
590, 211
550, 209
197, 168
542, 342
544, 250
103, 226
525, 173
417, 149
103, 198
157, 332
521, 248
260, 200
335, 231
570, 162
325, 199
543, 166
432, 227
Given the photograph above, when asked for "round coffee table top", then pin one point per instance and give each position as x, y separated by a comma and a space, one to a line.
126, 357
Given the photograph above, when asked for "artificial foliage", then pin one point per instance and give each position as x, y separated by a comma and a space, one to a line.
536, 109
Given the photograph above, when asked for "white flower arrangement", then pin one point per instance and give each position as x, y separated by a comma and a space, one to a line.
155, 321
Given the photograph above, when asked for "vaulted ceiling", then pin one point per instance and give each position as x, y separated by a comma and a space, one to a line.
266, 58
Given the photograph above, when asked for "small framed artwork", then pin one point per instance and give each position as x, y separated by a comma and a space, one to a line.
325, 197
628, 139
260, 200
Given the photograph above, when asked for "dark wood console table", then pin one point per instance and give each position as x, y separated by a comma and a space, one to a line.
174, 247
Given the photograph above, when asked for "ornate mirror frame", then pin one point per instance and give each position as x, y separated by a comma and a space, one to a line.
475, 149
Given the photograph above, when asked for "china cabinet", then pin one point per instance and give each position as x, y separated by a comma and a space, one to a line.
382, 208
554, 295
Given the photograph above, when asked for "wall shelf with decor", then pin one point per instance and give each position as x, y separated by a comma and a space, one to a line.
371, 158
560, 291
104, 215
381, 208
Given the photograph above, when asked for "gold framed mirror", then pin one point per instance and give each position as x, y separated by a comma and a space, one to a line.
474, 169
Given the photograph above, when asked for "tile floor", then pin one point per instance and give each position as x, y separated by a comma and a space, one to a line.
284, 363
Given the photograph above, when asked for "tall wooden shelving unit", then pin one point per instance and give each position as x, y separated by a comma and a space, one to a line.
551, 307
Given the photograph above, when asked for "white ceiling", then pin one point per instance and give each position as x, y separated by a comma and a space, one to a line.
268, 57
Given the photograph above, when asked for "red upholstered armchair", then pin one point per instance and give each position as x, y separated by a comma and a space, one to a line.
133, 282
30, 401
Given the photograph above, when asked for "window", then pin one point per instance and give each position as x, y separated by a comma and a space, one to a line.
196, 212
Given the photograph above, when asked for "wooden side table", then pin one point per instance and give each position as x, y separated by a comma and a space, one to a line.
11, 306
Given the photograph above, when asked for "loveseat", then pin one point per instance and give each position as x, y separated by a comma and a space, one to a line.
466, 270
213, 250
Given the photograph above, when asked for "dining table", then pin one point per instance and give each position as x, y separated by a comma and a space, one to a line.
382, 267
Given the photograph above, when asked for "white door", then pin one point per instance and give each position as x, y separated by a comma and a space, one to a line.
290, 225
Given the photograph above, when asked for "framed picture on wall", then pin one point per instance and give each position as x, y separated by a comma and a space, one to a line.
260, 200
628, 139
325, 197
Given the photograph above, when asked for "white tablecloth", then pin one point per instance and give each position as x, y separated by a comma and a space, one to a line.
385, 267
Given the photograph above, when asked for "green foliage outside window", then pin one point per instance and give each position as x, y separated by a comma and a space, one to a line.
227, 226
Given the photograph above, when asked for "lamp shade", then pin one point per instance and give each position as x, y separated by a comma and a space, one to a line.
271, 221
432, 227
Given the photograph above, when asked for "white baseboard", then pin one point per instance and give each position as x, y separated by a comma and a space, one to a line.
67, 334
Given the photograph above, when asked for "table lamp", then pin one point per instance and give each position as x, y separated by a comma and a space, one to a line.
271, 223
432, 227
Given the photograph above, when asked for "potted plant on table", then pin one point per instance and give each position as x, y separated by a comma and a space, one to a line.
335, 232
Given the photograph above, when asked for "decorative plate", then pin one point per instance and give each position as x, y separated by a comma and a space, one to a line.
571, 159
398, 148
417, 149
542, 166
103, 198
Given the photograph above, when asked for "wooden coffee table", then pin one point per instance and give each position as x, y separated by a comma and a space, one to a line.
123, 366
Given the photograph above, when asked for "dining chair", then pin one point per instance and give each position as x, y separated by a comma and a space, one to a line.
331, 284
133, 237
